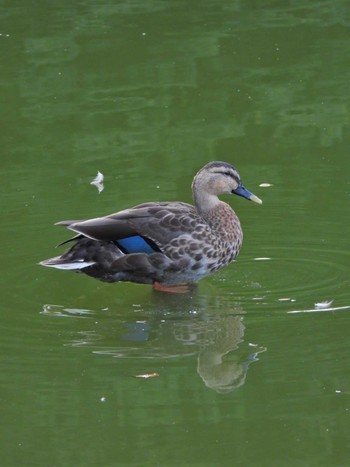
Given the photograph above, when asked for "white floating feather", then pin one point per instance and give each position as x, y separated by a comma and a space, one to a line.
325, 304
98, 181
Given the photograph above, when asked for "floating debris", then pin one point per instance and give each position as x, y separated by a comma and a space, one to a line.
98, 181
147, 375
325, 304
265, 185
262, 259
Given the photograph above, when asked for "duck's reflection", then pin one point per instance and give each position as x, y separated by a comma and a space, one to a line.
172, 327
218, 366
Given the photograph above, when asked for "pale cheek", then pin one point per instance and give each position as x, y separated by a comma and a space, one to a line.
220, 186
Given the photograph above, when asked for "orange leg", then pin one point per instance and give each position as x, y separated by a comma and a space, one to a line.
171, 288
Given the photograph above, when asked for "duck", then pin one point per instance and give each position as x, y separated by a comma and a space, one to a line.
169, 245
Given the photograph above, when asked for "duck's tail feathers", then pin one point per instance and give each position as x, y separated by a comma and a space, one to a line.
60, 263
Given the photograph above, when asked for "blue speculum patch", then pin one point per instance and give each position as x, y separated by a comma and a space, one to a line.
135, 244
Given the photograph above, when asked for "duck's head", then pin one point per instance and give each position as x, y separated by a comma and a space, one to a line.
215, 179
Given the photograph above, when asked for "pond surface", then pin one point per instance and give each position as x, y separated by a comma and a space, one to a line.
247, 369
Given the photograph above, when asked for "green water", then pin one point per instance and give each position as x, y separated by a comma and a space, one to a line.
251, 372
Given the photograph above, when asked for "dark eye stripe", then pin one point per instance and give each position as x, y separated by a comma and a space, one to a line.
228, 174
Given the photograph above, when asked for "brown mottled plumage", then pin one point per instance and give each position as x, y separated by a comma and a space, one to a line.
162, 243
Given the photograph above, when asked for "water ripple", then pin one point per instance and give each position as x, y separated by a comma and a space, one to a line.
61, 312
298, 274
321, 310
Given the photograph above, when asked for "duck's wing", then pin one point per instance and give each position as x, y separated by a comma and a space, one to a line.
153, 223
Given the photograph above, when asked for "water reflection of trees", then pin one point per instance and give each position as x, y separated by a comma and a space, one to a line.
136, 79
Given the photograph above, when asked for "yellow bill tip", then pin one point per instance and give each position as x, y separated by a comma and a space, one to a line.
255, 199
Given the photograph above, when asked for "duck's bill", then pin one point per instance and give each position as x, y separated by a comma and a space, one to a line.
242, 191
255, 199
